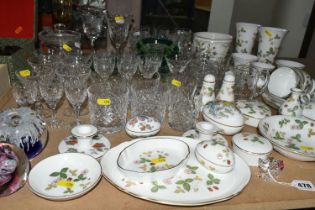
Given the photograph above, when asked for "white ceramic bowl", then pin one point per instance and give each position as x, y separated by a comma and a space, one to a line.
153, 159
64, 176
250, 147
293, 137
142, 126
215, 157
213, 44
225, 116
281, 81
253, 111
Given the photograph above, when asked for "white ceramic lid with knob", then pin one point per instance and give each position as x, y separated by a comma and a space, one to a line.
142, 126
224, 113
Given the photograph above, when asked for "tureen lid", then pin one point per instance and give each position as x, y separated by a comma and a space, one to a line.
252, 143
215, 153
223, 112
254, 109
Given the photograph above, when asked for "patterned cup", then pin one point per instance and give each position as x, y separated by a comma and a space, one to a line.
269, 43
245, 37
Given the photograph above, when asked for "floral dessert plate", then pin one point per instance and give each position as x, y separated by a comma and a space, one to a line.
100, 145
193, 185
14, 167
64, 176
293, 137
193, 134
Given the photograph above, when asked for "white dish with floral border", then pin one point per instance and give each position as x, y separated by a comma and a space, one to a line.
192, 186
64, 176
293, 137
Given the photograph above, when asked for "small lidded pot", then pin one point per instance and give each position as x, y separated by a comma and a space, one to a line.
250, 147
206, 130
84, 134
215, 157
142, 126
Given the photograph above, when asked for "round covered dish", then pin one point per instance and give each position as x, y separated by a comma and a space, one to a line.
214, 156
142, 126
253, 111
225, 116
250, 147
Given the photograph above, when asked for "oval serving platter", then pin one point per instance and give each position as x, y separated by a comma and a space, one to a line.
193, 185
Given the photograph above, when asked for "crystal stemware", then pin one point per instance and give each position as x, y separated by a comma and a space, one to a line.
75, 86
51, 89
104, 64
118, 27
127, 65
92, 23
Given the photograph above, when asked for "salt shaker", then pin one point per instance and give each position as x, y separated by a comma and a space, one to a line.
226, 92
207, 90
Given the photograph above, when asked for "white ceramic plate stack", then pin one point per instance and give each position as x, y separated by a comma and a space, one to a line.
192, 185
293, 137
64, 176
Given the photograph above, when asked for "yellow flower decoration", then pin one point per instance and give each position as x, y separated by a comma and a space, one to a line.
268, 33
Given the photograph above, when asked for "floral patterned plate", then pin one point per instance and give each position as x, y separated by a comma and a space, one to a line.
216, 137
64, 176
193, 185
293, 137
100, 145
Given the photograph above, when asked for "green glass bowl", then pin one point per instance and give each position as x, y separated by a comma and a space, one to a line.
157, 45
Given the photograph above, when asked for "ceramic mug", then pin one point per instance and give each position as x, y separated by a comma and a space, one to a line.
245, 37
270, 39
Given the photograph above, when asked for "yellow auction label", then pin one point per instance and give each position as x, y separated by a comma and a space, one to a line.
269, 33
104, 101
158, 160
302, 147
65, 183
25, 73
176, 83
66, 47
119, 19
228, 102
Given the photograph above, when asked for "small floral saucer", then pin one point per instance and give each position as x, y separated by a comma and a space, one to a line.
100, 145
216, 137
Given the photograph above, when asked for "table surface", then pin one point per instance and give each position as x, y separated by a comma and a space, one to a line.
258, 194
